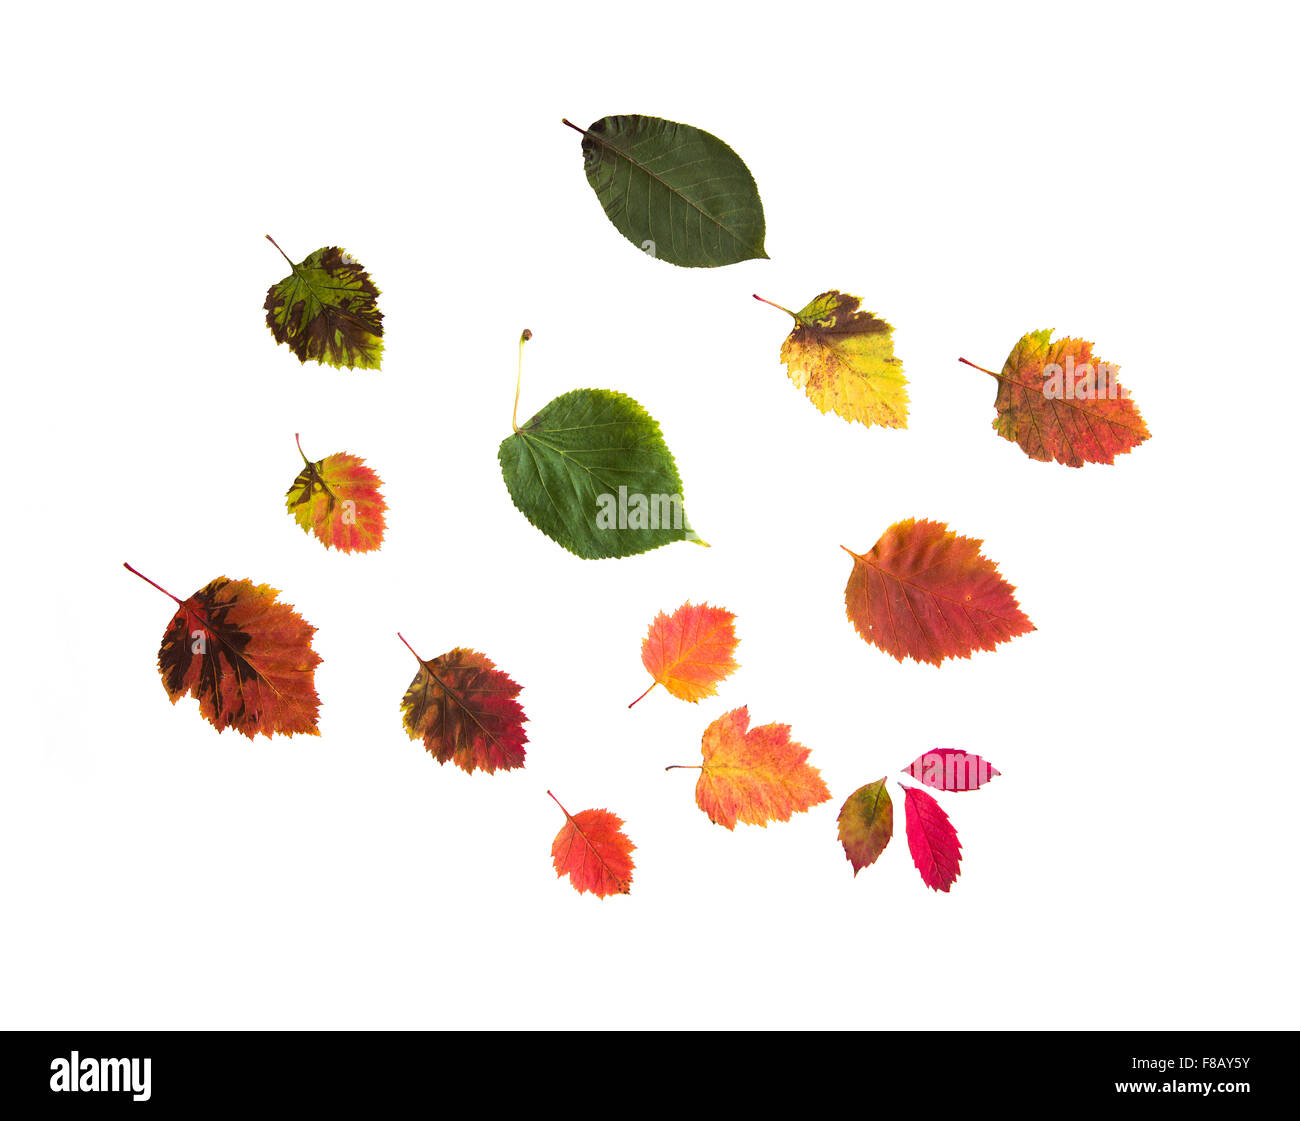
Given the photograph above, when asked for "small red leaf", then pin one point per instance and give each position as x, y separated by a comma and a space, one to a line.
594, 852
947, 768
936, 852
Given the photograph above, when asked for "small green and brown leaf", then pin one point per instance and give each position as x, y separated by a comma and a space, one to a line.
325, 310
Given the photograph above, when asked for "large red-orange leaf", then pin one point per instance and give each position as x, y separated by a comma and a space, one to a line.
464, 709
936, 852
754, 776
1060, 403
947, 768
924, 592
866, 823
594, 852
337, 499
690, 651
244, 656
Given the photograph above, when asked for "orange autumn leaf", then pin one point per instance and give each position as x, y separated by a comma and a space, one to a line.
754, 775
1059, 402
690, 651
244, 656
464, 709
924, 592
337, 498
594, 852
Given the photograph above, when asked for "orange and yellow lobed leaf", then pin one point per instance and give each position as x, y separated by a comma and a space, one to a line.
755, 775
690, 651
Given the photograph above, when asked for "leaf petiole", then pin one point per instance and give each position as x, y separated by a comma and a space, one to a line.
979, 368
282, 252
148, 581
519, 377
652, 685
778, 307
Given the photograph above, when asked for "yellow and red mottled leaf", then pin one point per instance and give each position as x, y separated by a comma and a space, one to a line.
843, 359
1059, 402
866, 823
245, 656
690, 651
337, 499
464, 709
927, 593
754, 775
932, 840
947, 768
594, 852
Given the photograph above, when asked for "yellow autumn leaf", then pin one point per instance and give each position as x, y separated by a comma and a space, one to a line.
843, 359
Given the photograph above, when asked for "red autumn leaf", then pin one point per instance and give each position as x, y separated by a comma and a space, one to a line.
594, 852
936, 852
754, 776
947, 768
690, 651
924, 592
337, 499
244, 656
866, 823
464, 709
1059, 403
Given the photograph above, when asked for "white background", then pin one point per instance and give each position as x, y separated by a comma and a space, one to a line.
1125, 174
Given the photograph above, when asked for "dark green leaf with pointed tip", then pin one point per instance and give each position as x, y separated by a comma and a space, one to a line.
674, 191
565, 468
325, 311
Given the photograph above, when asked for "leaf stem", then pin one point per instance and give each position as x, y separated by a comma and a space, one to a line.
282, 252
300, 451
148, 581
519, 377
979, 368
566, 121
777, 306
685, 767
410, 648
562, 809
652, 685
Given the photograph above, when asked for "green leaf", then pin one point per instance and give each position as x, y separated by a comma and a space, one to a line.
674, 191
592, 472
325, 310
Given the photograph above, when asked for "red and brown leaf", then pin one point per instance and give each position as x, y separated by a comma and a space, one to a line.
756, 775
927, 593
690, 651
594, 852
947, 768
866, 823
464, 709
337, 499
936, 852
1058, 402
245, 656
